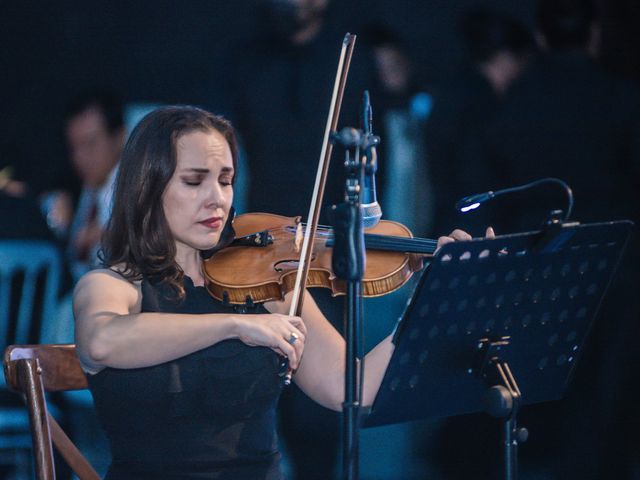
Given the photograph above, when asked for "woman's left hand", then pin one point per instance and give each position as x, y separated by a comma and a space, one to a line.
458, 235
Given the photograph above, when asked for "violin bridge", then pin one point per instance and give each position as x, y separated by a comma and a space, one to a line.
299, 237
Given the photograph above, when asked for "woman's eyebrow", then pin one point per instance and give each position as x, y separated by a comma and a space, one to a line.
223, 170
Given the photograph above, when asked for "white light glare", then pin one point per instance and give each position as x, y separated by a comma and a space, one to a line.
473, 206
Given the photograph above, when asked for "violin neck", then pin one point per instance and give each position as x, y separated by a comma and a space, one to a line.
400, 244
390, 243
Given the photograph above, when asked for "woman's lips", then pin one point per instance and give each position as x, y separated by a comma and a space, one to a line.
213, 223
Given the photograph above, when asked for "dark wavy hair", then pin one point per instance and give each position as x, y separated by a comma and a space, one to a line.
137, 237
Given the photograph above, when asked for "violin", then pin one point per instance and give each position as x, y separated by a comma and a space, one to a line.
261, 263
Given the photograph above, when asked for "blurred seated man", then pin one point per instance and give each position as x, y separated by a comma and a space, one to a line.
95, 136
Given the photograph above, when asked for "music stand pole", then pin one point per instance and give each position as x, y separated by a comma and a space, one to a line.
348, 262
502, 400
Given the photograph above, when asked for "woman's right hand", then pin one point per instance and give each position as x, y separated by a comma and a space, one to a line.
283, 334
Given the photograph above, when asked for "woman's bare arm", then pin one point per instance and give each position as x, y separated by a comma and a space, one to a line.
321, 371
111, 331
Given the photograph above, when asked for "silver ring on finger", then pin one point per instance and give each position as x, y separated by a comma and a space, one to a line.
293, 338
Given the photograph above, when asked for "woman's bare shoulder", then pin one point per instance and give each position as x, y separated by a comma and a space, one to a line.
107, 278
106, 289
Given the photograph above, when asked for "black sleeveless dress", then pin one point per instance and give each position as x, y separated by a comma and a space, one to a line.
210, 414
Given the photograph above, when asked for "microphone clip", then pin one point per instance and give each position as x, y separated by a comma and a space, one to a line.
361, 143
350, 138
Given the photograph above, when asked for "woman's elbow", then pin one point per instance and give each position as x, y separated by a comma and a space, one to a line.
334, 399
94, 351
330, 396
97, 352
336, 404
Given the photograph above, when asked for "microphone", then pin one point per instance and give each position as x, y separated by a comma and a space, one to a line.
369, 206
472, 202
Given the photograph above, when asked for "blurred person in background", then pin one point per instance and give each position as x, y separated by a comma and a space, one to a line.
568, 118
403, 171
95, 135
281, 113
500, 46
498, 49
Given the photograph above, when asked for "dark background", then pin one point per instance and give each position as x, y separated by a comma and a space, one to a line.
178, 52
174, 52
168, 52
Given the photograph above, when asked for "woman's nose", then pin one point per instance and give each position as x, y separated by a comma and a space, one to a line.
214, 195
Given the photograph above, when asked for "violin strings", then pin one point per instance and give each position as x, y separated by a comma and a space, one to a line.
373, 241
328, 231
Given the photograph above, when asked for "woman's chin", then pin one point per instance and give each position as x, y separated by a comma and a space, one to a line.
206, 246
204, 243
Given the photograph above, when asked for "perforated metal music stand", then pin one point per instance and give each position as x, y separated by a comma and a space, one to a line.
525, 301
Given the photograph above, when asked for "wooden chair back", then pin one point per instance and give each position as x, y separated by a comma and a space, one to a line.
32, 370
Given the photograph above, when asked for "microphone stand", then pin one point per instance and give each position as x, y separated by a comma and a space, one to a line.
349, 264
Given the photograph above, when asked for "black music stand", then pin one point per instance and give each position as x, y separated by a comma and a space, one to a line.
503, 319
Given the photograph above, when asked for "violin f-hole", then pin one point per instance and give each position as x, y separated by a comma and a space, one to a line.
288, 265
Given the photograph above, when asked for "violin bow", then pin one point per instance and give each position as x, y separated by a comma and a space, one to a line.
321, 180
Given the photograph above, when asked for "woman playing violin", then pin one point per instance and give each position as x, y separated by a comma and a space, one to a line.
185, 386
